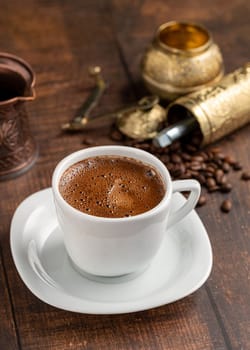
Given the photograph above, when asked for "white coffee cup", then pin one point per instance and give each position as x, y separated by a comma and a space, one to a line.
118, 246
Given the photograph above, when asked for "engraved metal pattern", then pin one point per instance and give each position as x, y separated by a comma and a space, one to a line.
222, 108
17, 147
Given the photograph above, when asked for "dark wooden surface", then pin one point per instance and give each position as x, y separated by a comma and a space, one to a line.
60, 39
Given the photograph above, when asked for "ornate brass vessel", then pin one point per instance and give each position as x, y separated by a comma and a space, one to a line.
183, 58
17, 147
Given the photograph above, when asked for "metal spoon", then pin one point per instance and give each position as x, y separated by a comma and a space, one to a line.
141, 120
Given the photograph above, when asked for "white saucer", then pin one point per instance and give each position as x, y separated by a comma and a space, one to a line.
181, 266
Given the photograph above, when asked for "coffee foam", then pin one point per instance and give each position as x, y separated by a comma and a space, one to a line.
111, 186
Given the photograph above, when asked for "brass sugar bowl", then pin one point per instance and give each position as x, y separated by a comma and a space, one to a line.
181, 59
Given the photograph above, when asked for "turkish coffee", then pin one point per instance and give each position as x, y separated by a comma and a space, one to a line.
112, 186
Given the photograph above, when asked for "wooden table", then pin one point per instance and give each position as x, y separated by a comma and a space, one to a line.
60, 39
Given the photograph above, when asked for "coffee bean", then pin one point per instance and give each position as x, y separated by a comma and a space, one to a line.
213, 164
197, 159
208, 174
215, 150
131, 143
176, 172
219, 175
176, 159
245, 176
210, 155
153, 149
201, 178
145, 146
165, 158
220, 156
194, 173
226, 205
165, 150
226, 187
226, 167
218, 162
161, 151
213, 188
175, 146
190, 148
210, 169
170, 166
223, 180
210, 182
230, 160
186, 156
186, 176
195, 166
89, 141
203, 155
237, 166
116, 135
182, 168
202, 201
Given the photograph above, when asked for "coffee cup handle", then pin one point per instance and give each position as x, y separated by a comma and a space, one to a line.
194, 188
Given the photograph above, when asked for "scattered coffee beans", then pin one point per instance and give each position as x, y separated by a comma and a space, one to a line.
237, 166
226, 206
245, 176
184, 160
225, 188
88, 141
202, 201
116, 135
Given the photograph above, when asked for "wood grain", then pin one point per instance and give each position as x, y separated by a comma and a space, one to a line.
8, 331
61, 39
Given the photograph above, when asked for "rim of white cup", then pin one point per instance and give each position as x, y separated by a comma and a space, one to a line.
75, 157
